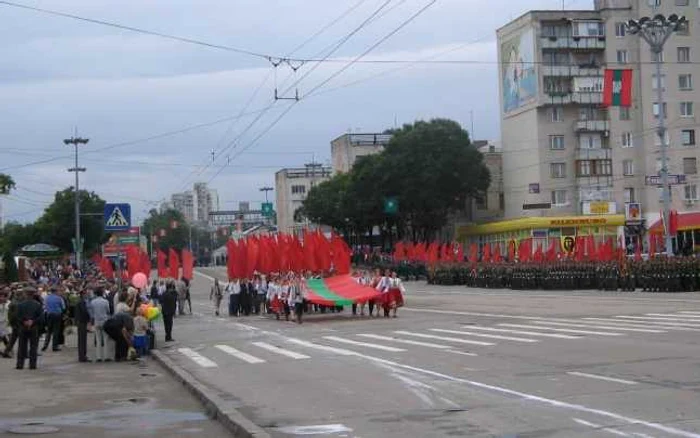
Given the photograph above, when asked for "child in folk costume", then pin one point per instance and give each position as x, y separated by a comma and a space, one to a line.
284, 298
384, 286
273, 298
395, 294
296, 298
375, 284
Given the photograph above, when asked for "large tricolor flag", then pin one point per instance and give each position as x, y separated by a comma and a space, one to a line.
617, 88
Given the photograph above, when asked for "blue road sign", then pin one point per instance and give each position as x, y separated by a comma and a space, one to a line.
117, 217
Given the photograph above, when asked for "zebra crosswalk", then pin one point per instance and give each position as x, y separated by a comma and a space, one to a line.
451, 340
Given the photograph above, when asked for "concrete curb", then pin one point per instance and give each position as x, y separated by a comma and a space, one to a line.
216, 407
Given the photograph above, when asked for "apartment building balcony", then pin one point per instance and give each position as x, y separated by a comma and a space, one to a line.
591, 126
602, 153
571, 70
580, 97
572, 43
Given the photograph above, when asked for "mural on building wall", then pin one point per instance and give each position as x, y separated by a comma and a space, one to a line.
518, 77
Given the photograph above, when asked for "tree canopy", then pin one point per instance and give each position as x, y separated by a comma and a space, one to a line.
428, 169
6, 184
156, 221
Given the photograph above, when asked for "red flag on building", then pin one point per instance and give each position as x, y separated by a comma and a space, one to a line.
161, 264
617, 88
187, 264
174, 264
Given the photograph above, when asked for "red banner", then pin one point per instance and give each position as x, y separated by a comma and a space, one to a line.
187, 264
174, 263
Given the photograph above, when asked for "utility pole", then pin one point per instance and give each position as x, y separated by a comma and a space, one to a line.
77, 141
656, 31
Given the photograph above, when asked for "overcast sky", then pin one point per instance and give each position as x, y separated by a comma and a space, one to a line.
120, 87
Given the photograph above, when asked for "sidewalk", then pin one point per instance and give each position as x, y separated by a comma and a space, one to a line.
98, 399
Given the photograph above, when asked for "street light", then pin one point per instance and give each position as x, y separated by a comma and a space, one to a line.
76, 141
266, 189
656, 31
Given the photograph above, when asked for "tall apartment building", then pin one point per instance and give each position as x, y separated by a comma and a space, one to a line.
184, 203
196, 204
347, 148
291, 187
560, 146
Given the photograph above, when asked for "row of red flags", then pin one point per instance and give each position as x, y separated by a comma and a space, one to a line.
287, 253
139, 261
584, 249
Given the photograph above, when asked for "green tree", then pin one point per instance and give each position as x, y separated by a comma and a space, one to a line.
6, 184
326, 202
177, 238
57, 225
14, 236
431, 168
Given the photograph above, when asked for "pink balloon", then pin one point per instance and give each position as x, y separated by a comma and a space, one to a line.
139, 280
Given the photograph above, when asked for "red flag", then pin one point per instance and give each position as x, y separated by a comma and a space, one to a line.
473, 253
161, 262
399, 252
460, 253
497, 254
341, 255
511, 251
323, 252
284, 251
187, 264
308, 251
145, 264
525, 250
106, 268
579, 248
486, 253
652, 246
432, 253
551, 255
174, 262
617, 88
297, 262
539, 254
673, 222
133, 260
252, 250
96, 259
638, 250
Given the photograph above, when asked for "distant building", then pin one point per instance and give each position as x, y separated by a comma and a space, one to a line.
291, 187
348, 147
491, 206
196, 204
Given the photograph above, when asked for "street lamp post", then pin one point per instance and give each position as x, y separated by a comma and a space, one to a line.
76, 141
656, 31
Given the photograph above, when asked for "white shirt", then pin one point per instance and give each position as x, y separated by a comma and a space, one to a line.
233, 288
384, 284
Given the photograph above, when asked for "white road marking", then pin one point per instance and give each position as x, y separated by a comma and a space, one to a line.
642, 324
582, 332
239, 354
675, 315
595, 376
463, 353
403, 341
444, 338
364, 344
521, 332
454, 312
340, 351
278, 350
592, 326
694, 312
484, 335
598, 426
659, 320
197, 358
320, 429
513, 393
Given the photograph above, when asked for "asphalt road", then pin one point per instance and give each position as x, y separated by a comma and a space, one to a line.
459, 362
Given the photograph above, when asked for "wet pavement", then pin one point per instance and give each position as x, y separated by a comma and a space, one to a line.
64, 398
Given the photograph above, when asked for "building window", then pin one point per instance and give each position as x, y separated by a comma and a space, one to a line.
655, 83
684, 54
602, 167
557, 114
685, 82
654, 3
690, 166
667, 139
629, 194
620, 29
557, 170
588, 29
627, 140
686, 109
681, 2
624, 113
655, 110
628, 167
298, 190
691, 192
688, 137
583, 168
556, 142
559, 197
660, 191
622, 56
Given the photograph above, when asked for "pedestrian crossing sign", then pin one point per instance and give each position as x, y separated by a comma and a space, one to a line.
117, 217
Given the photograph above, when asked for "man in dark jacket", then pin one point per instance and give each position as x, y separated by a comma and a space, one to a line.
29, 314
82, 319
169, 304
